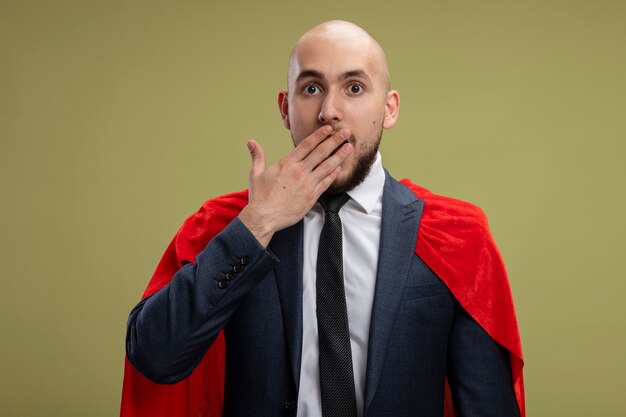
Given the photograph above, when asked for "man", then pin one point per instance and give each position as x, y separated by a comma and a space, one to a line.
418, 310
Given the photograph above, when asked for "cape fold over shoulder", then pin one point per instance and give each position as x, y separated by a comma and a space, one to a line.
453, 240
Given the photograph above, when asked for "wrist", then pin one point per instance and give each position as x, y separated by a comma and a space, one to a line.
258, 224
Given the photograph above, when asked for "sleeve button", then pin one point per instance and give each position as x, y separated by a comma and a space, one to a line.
229, 276
237, 268
222, 284
245, 260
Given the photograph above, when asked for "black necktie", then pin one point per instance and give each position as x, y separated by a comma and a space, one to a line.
336, 376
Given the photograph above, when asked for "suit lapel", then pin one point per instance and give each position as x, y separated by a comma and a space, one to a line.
287, 246
400, 220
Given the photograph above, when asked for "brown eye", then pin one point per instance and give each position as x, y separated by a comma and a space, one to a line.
311, 89
356, 89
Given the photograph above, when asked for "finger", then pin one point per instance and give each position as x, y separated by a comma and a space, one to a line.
307, 145
258, 158
326, 148
326, 181
327, 166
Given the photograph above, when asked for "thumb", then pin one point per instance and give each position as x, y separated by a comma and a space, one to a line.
258, 158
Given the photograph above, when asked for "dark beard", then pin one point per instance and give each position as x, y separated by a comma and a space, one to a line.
362, 167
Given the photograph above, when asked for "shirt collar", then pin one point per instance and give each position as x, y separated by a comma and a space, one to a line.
367, 193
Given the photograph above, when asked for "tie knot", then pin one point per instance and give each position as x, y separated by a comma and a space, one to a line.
333, 203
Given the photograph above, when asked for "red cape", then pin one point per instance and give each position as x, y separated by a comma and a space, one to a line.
453, 240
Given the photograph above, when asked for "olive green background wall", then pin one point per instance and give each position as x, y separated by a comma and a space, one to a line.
119, 118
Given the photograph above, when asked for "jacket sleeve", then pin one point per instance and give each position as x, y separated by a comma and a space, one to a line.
169, 332
479, 371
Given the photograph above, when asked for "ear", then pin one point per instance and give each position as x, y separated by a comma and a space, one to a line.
392, 109
283, 107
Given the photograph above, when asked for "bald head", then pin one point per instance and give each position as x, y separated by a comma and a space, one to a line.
337, 32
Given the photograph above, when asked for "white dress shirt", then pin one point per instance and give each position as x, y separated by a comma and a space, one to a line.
361, 219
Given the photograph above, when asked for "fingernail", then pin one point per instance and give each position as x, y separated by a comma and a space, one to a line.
344, 133
327, 129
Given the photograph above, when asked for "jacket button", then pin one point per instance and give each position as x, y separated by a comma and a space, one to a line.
237, 268
289, 405
229, 276
245, 260
222, 284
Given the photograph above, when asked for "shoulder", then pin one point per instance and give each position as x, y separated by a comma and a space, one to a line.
440, 208
210, 219
221, 208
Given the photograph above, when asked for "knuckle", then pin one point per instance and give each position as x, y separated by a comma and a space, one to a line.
298, 171
320, 134
281, 164
307, 144
319, 153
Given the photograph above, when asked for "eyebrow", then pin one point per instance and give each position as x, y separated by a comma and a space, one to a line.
310, 74
320, 76
354, 73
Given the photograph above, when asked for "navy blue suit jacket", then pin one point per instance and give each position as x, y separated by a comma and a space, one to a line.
418, 332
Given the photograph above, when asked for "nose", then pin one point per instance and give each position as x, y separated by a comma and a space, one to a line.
331, 110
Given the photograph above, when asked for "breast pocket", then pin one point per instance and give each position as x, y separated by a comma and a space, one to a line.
423, 282
425, 290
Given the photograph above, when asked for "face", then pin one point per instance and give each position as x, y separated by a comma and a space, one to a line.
340, 83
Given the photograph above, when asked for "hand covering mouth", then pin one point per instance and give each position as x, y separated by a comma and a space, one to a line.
338, 147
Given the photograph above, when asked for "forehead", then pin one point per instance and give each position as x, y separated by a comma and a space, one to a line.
333, 57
